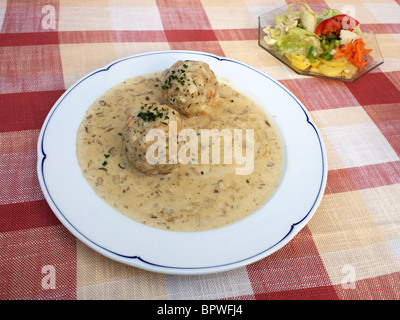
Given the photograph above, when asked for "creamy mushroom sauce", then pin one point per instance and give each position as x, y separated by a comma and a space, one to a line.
193, 197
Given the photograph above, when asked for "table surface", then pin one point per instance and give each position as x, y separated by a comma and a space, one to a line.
349, 250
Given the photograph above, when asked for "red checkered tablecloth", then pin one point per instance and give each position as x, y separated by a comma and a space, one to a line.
349, 250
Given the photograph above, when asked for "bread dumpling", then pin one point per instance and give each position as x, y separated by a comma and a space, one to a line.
190, 87
137, 129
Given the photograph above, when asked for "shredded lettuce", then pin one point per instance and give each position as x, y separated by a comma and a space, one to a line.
298, 40
283, 23
308, 19
305, 18
326, 14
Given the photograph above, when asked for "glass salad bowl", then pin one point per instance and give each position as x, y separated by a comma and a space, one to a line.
374, 57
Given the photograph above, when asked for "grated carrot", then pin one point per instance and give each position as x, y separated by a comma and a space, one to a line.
354, 52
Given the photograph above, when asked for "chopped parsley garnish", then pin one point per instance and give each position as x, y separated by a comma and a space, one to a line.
152, 115
178, 75
147, 116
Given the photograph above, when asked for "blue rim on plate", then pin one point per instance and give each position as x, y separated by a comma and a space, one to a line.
145, 263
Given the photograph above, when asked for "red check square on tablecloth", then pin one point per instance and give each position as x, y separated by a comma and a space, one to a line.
33, 68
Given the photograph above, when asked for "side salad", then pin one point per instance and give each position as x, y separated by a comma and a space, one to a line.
330, 43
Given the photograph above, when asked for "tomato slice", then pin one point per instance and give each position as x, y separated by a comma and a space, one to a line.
332, 26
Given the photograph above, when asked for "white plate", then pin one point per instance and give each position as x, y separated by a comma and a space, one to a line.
112, 234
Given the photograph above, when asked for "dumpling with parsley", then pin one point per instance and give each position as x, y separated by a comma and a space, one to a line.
190, 87
146, 138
